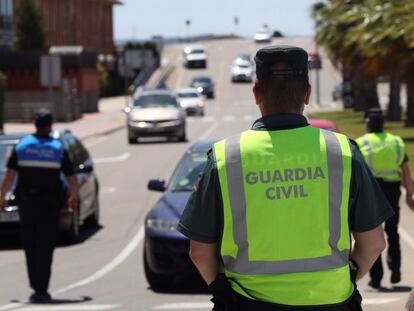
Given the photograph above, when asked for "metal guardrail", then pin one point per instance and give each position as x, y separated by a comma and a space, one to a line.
143, 76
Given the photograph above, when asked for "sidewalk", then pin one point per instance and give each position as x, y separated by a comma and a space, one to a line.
109, 118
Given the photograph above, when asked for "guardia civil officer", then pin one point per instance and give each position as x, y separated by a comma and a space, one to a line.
386, 156
270, 223
38, 161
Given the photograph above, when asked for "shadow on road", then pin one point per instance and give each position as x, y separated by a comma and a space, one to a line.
395, 289
59, 301
13, 241
183, 286
85, 234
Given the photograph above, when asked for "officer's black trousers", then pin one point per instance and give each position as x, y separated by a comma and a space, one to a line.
245, 304
392, 192
39, 227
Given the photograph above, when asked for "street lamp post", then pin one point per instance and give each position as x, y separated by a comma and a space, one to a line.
188, 24
236, 24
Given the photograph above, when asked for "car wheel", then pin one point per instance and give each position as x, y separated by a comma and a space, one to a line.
183, 137
155, 280
202, 113
132, 140
93, 219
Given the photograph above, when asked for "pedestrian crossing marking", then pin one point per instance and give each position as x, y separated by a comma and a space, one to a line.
70, 308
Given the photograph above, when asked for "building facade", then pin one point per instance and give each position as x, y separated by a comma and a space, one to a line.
87, 23
6, 23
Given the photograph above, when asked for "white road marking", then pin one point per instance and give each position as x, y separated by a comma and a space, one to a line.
121, 158
378, 301
11, 306
71, 308
123, 255
106, 190
96, 141
184, 306
208, 132
406, 237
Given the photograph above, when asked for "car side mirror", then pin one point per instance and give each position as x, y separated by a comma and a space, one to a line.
127, 109
157, 185
85, 168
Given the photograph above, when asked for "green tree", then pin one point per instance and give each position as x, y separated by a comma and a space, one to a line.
2, 91
30, 30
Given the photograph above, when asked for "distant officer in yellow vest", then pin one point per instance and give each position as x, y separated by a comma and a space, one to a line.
271, 220
386, 156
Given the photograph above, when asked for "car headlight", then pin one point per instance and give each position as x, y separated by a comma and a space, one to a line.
200, 104
172, 122
161, 225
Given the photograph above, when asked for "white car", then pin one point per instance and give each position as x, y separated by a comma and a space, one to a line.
242, 70
191, 101
195, 56
263, 35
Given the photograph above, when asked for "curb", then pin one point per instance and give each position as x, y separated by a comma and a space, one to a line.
103, 133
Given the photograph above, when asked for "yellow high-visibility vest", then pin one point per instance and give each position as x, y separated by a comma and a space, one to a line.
285, 195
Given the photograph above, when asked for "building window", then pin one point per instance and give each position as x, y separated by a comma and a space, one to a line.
6, 14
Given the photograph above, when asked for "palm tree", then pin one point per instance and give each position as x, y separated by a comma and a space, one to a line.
336, 22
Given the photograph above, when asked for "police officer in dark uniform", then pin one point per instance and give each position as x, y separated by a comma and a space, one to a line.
386, 156
38, 160
253, 219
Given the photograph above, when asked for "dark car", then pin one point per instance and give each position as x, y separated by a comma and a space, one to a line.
88, 209
204, 85
166, 249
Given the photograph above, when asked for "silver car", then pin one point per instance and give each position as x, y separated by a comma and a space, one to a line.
191, 101
242, 71
156, 113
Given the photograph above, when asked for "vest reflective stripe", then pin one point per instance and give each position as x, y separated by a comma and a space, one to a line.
41, 164
398, 149
368, 150
241, 263
35, 152
384, 154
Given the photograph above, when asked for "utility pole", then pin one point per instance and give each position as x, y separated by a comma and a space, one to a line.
236, 24
187, 24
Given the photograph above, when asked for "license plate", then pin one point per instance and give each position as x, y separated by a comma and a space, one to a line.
9, 217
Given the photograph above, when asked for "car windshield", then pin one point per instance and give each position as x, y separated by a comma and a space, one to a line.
5, 151
202, 80
188, 95
188, 172
155, 101
197, 51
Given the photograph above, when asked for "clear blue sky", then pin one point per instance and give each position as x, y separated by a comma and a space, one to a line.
144, 18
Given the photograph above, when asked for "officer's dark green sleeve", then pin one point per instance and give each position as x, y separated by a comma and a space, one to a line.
200, 219
368, 206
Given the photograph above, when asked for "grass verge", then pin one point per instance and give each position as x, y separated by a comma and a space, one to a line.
352, 124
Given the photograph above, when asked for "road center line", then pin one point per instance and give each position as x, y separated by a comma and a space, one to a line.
123, 255
406, 237
121, 158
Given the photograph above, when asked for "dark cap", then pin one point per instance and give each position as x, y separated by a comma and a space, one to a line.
295, 57
43, 117
373, 114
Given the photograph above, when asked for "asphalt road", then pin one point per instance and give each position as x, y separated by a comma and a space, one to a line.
105, 270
